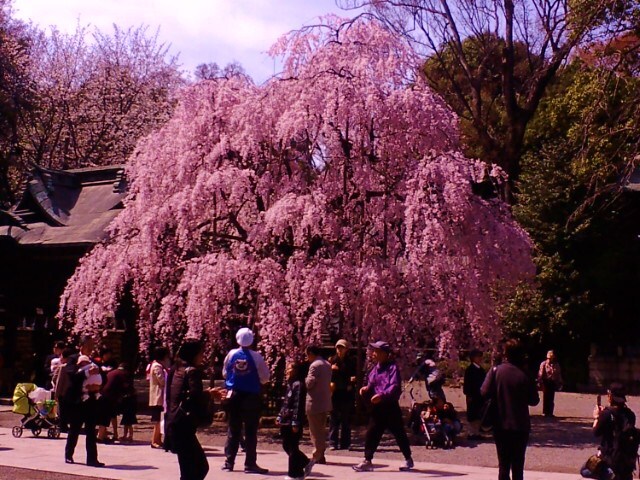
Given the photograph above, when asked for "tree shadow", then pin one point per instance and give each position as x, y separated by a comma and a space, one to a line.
561, 432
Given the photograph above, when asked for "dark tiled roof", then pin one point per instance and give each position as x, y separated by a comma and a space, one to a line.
66, 207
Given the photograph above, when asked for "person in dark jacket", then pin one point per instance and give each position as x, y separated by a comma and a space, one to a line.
609, 423
291, 420
186, 401
474, 376
383, 391
343, 396
513, 391
80, 411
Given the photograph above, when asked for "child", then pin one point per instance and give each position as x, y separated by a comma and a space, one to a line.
290, 420
93, 382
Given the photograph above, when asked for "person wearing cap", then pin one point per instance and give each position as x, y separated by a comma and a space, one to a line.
318, 403
549, 380
343, 396
609, 422
512, 392
474, 376
382, 390
245, 371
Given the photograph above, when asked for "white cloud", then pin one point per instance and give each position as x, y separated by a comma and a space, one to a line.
200, 30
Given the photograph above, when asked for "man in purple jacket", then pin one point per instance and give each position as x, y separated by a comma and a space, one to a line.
382, 391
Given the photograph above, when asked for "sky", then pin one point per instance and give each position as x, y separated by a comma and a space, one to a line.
201, 31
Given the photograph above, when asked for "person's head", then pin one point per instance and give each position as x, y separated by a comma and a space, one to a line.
514, 352
83, 360
58, 347
66, 353
617, 394
294, 371
192, 352
160, 355
313, 352
381, 351
244, 337
475, 356
342, 348
87, 344
551, 356
106, 354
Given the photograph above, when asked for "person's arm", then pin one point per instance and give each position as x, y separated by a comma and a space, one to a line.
296, 399
541, 374
312, 377
263, 370
488, 386
225, 364
602, 421
534, 397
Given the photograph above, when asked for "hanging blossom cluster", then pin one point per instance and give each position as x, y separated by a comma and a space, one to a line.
332, 200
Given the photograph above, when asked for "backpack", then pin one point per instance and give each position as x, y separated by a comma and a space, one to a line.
626, 441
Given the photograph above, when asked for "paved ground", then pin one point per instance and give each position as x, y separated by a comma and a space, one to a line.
558, 447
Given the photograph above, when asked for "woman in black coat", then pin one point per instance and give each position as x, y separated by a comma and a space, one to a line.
187, 402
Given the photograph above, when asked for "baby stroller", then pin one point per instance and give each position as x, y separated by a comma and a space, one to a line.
38, 410
422, 422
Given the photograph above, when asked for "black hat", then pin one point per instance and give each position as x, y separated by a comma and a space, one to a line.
617, 392
381, 345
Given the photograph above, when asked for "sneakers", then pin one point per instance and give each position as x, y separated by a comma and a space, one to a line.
308, 468
407, 466
364, 466
255, 469
227, 467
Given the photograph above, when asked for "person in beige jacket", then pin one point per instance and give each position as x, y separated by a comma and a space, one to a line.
156, 375
318, 404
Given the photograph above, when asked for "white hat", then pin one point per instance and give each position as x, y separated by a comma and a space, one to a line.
244, 337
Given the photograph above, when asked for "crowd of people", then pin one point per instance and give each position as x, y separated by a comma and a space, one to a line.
93, 390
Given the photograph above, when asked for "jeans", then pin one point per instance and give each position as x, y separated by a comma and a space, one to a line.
291, 445
243, 409
386, 416
511, 447
548, 397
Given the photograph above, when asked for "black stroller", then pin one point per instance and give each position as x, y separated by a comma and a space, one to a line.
37, 414
423, 422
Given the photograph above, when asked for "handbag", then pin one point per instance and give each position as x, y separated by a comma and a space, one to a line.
489, 412
594, 467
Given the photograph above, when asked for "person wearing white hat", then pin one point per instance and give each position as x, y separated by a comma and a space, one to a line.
245, 371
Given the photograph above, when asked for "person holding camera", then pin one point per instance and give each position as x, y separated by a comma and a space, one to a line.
615, 426
188, 407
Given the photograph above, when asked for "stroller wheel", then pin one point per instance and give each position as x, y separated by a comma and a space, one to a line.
16, 432
53, 432
36, 431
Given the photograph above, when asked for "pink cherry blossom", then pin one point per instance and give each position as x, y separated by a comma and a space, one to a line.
333, 199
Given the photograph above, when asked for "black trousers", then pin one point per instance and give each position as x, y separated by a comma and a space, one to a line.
548, 397
85, 413
291, 445
191, 457
511, 447
340, 430
386, 416
243, 410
